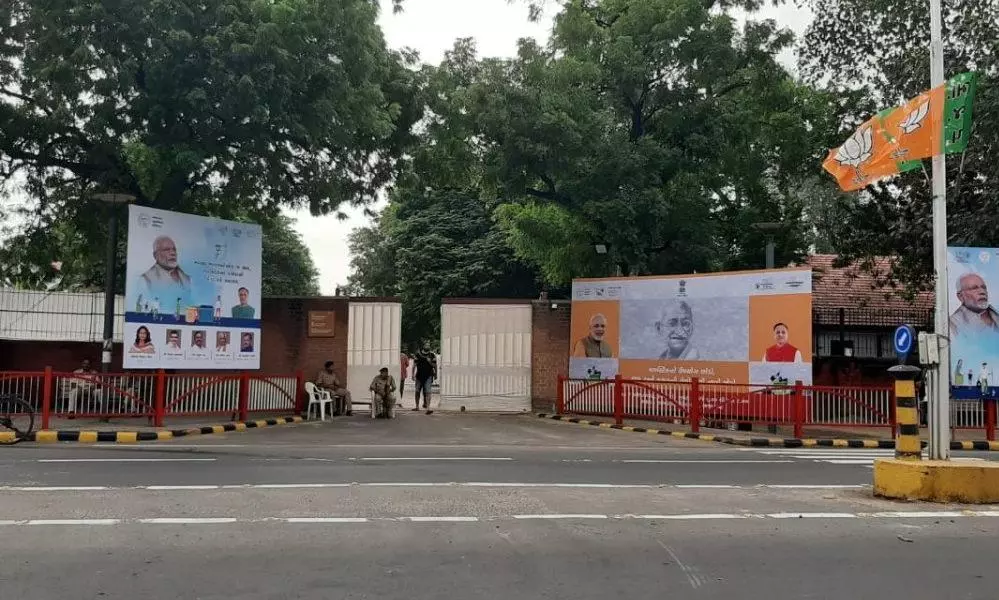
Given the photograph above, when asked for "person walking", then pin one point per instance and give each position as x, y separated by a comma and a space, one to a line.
424, 374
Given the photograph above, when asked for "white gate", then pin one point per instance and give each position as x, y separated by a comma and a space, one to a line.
485, 362
374, 340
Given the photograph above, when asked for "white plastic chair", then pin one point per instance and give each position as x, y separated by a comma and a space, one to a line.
318, 397
371, 403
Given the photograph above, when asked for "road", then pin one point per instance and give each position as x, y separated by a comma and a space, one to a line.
472, 506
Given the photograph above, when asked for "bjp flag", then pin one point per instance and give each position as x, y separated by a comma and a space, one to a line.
935, 122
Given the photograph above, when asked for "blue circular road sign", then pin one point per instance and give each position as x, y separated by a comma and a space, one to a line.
904, 339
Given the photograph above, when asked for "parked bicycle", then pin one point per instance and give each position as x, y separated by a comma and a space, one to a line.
17, 417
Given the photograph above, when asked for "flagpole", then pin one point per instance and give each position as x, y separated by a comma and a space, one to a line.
939, 405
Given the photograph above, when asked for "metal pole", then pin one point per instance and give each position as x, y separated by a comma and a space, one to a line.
770, 264
109, 272
940, 400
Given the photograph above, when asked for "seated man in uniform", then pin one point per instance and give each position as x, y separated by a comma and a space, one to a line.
383, 387
327, 380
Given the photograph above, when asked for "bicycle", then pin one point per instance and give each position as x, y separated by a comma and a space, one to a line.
17, 417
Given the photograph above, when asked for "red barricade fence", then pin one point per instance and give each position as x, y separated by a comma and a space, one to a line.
153, 395
698, 403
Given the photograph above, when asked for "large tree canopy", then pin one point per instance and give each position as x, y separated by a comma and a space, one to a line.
875, 63
655, 126
438, 237
285, 101
229, 108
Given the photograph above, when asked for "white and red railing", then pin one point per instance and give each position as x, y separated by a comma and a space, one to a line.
156, 395
796, 405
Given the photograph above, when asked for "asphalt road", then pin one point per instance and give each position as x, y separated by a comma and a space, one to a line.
472, 506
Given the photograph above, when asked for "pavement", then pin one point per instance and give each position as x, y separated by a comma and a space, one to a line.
473, 506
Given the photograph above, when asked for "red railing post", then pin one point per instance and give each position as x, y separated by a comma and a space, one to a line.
798, 407
560, 396
618, 399
47, 397
244, 396
159, 400
990, 419
696, 406
299, 391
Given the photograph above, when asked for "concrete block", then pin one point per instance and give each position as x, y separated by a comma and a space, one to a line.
937, 481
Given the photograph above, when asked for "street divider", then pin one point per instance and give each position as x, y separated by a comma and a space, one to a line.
768, 442
47, 436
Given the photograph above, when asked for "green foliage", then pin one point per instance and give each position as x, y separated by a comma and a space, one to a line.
288, 269
655, 126
875, 63
224, 107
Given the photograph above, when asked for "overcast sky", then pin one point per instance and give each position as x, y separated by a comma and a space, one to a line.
430, 27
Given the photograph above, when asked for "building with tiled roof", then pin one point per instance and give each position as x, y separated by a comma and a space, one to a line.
854, 313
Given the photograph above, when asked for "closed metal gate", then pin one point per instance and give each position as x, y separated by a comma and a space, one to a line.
374, 340
485, 362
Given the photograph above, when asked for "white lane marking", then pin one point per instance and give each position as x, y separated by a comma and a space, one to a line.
849, 461
708, 462
57, 488
326, 520
529, 517
829, 515
189, 521
441, 519
179, 487
470, 484
936, 514
285, 486
412, 458
122, 460
818, 486
700, 486
697, 516
476, 518
73, 522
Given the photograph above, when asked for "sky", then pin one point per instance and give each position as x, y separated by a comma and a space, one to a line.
430, 27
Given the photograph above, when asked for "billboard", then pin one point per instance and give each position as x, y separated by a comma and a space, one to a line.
740, 327
974, 322
192, 292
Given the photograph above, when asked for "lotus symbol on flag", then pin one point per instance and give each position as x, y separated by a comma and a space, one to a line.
914, 120
858, 149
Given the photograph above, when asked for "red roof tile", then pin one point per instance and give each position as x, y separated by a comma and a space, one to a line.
859, 291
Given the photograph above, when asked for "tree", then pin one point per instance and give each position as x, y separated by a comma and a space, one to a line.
654, 127
876, 63
288, 269
215, 108
438, 236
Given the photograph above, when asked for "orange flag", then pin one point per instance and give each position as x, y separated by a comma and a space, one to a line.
935, 122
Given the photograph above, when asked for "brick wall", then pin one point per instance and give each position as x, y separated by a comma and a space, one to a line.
549, 350
287, 346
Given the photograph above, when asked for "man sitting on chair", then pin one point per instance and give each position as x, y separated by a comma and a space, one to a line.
382, 387
327, 381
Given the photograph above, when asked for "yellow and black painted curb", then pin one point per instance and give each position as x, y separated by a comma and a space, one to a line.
130, 437
759, 442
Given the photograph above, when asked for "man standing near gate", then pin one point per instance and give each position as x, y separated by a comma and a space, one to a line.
424, 375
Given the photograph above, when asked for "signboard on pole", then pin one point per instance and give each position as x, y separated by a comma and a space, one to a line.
973, 275
903, 341
751, 327
192, 292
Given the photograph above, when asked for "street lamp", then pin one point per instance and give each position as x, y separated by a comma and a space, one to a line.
768, 228
113, 201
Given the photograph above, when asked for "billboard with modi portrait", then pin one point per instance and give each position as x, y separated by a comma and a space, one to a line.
192, 292
973, 275
750, 327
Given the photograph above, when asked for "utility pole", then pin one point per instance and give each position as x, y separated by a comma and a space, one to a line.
939, 405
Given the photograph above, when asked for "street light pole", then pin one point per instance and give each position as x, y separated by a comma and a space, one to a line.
940, 399
110, 260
